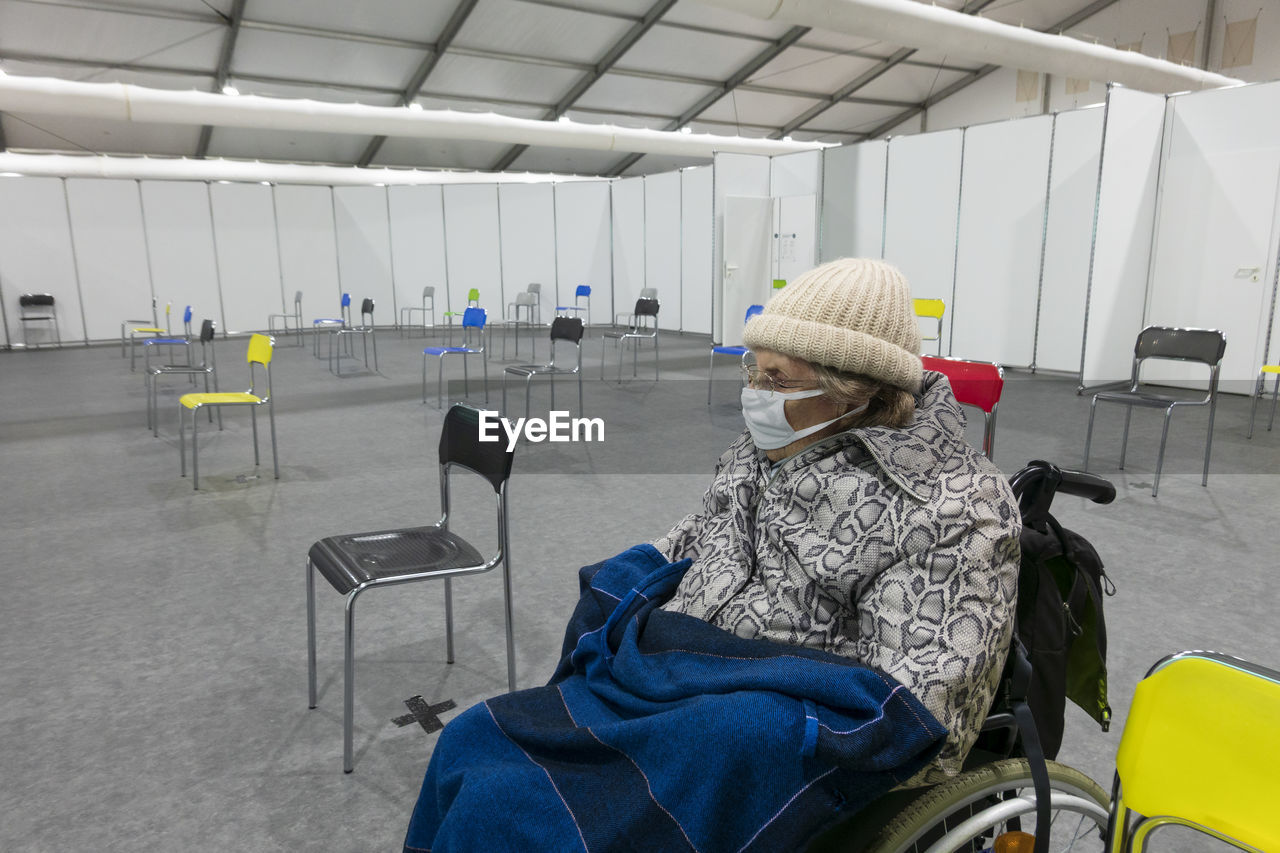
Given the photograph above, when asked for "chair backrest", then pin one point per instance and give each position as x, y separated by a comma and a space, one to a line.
779, 283
474, 317
526, 298
460, 444
534, 288
428, 292
207, 328
346, 300
648, 293
297, 300
186, 316
933, 308
1202, 345
473, 296
975, 383
566, 329
366, 307
582, 290
36, 300
752, 311
1200, 744
261, 348
646, 307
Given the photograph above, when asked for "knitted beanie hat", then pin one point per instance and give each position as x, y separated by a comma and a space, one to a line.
853, 314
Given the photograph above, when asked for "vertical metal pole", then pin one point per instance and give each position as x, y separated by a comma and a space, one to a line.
555, 245
391, 261
444, 233
1093, 244
275, 217
502, 284
955, 258
217, 265
146, 248
1044, 242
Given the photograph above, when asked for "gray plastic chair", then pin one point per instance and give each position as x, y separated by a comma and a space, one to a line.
353, 563
1203, 346
428, 307
286, 319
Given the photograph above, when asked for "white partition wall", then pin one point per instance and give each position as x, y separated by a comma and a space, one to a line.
472, 248
921, 208
308, 249
1000, 240
244, 237
1215, 245
697, 227
853, 185
35, 254
417, 246
529, 243
628, 249
364, 250
1073, 195
179, 241
111, 255
1122, 242
662, 257
584, 247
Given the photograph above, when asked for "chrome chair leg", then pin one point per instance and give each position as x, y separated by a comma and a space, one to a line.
311, 636
1124, 439
1164, 436
1088, 436
448, 620
349, 685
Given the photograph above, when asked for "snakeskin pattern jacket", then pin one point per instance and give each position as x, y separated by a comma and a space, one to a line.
895, 547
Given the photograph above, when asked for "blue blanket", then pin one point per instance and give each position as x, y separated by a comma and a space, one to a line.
660, 731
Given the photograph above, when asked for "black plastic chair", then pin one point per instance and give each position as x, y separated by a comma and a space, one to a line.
365, 330
353, 563
38, 308
1204, 346
562, 329
644, 327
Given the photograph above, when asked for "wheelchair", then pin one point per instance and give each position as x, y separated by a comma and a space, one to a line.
991, 804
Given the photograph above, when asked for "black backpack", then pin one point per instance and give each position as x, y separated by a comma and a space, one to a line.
1061, 625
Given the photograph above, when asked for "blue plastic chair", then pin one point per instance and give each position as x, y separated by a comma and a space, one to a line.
473, 343
583, 291
739, 351
328, 324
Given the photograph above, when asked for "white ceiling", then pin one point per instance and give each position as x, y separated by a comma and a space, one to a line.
661, 64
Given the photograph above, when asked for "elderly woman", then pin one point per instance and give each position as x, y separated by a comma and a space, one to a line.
852, 516
830, 625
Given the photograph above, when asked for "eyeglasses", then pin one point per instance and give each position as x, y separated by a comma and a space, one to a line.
754, 377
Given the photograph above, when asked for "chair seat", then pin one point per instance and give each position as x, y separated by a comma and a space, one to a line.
218, 398
150, 330
729, 350
328, 321
1148, 399
151, 342
443, 350
537, 369
356, 559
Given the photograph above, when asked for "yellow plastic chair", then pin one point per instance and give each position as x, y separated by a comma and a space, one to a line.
261, 348
932, 309
1274, 370
1199, 750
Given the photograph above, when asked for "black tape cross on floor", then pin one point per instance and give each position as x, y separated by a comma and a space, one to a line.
424, 714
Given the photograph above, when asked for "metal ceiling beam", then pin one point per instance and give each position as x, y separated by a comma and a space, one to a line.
611, 56
424, 69
970, 8
1061, 26
760, 60
224, 68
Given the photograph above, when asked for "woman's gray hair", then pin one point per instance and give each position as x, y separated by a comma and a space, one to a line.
887, 405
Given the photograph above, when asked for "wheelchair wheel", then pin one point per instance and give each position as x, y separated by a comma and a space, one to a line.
970, 811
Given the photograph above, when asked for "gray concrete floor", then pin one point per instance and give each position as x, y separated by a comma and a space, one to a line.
153, 676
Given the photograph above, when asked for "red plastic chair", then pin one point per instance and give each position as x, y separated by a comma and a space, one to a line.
975, 383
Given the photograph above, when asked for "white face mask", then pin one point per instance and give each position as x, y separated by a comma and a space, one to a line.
766, 417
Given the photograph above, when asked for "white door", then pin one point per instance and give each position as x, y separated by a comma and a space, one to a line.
1215, 255
748, 233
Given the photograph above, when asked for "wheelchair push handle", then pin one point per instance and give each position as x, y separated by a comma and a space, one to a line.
1038, 483
1086, 485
